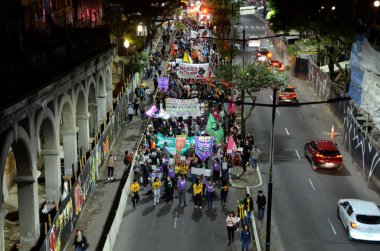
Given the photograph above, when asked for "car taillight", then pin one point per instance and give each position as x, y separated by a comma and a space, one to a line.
339, 156
319, 155
269, 55
258, 54
282, 68
354, 225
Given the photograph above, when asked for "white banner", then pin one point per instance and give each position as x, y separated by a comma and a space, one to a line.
183, 107
200, 171
193, 71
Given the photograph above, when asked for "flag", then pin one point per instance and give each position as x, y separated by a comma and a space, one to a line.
180, 142
172, 52
203, 147
231, 146
215, 129
187, 58
151, 111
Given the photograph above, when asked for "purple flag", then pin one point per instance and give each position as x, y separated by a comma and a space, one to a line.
163, 83
203, 146
151, 111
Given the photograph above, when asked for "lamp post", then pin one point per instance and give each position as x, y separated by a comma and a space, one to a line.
126, 45
376, 4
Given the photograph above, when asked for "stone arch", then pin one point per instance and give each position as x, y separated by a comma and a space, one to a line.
102, 97
92, 107
82, 118
68, 134
18, 140
47, 133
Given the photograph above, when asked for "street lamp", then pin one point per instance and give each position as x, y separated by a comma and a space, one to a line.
126, 44
376, 4
333, 8
139, 30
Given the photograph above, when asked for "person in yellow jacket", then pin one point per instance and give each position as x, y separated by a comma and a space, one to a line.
156, 187
135, 188
240, 212
197, 191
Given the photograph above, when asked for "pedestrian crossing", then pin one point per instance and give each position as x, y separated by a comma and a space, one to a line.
257, 27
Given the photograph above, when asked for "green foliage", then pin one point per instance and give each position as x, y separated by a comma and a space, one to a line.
138, 61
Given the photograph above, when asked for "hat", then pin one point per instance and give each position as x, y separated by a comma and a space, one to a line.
247, 195
260, 191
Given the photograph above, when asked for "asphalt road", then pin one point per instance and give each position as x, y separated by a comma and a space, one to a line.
304, 201
173, 227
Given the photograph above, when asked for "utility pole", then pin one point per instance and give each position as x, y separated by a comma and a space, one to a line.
242, 95
269, 208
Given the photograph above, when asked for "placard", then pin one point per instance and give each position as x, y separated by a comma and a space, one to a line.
183, 107
201, 171
193, 71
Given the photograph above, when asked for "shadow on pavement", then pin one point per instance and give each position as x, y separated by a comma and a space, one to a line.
211, 213
164, 210
148, 210
197, 214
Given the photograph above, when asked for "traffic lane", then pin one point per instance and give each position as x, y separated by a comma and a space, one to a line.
167, 227
251, 19
300, 167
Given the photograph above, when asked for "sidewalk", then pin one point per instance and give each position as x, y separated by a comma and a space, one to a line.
98, 208
251, 179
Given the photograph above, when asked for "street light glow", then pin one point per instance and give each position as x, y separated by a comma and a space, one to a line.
322, 7
126, 43
333, 8
139, 28
376, 4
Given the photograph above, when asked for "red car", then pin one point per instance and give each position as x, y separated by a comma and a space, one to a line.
323, 154
288, 94
277, 64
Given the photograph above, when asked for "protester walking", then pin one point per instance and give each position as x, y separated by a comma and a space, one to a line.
210, 189
156, 187
182, 190
142, 106
255, 155
224, 193
80, 241
261, 202
135, 197
111, 162
169, 190
245, 238
197, 191
130, 112
241, 211
231, 222
248, 208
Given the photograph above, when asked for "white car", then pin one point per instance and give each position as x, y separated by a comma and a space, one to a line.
360, 218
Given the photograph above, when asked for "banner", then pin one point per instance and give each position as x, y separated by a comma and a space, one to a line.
201, 171
151, 111
163, 83
183, 107
193, 71
203, 146
162, 114
160, 141
215, 129
180, 142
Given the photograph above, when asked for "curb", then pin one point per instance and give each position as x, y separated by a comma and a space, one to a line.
254, 228
235, 184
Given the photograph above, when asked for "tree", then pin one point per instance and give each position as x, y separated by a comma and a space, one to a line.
333, 24
256, 77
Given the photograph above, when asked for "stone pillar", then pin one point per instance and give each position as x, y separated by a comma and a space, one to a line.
3, 213
109, 99
52, 174
84, 132
70, 150
29, 219
93, 120
101, 109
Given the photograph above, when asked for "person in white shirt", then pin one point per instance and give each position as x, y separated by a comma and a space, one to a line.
111, 165
231, 221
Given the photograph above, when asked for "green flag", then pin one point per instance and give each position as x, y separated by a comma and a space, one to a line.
215, 129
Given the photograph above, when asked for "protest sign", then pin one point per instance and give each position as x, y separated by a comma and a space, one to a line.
201, 171
151, 111
183, 107
193, 71
163, 83
203, 147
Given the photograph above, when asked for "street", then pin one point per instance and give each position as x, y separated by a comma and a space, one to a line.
304, 201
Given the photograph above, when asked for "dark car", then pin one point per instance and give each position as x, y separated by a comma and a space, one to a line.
323, 154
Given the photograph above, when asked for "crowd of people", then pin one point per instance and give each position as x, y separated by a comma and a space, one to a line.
167, 171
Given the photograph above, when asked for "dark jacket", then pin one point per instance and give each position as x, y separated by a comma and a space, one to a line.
261, 201
248, 205
245, 236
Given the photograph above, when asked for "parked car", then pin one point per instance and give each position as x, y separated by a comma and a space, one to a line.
360, 218
323, 154
287, 94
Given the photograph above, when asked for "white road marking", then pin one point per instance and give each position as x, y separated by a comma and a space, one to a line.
298, 155
247, 26
311, 183
287, 131
278, 112
270, 95
252, 27
331, 225
235, 26
258, 27
263, 27
175, 220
